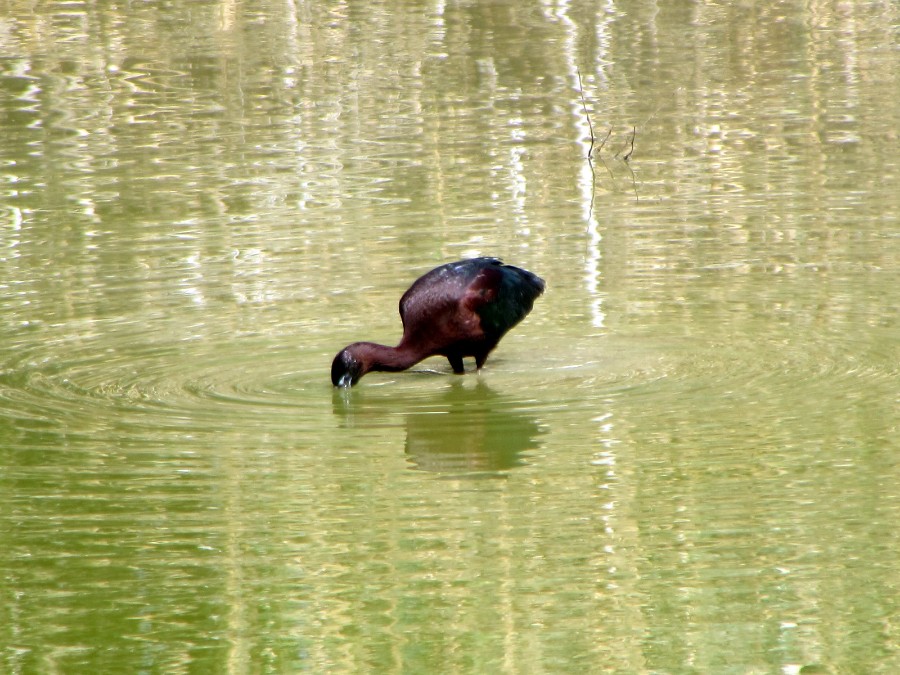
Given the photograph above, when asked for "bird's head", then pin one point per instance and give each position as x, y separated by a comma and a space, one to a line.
348, 367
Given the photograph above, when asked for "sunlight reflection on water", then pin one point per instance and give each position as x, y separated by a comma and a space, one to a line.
689, 444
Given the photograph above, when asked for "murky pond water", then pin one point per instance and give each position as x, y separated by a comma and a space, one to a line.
684, 460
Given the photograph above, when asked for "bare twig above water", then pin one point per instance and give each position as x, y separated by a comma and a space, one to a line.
588, 117
605, 138
630, 142
623, 154
591, 147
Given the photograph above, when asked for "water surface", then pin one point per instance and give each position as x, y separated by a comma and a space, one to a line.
684, 460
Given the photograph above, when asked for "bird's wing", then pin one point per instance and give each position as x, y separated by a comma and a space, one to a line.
432, 294
483, 289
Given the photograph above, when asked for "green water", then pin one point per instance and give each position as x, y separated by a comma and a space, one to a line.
685, 460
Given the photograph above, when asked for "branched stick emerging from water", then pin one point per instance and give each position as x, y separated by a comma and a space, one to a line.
629, 144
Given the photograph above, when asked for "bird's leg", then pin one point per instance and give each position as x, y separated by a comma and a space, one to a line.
456, 363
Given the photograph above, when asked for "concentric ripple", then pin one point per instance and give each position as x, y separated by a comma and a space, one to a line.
117, 378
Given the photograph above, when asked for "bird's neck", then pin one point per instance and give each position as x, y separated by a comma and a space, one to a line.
390, 359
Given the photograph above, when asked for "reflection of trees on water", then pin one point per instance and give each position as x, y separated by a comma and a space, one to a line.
224, 168
457, 430
322, 118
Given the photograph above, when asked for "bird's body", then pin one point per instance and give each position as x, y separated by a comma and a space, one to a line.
456, 310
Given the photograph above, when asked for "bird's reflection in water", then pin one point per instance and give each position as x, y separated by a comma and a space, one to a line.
461, 430
469, 430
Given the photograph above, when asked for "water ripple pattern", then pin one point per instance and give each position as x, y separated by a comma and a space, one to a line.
130, 379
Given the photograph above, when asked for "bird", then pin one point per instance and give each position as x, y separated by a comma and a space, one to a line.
456, 310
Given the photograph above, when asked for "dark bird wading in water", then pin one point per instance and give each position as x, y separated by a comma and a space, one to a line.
459, 309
